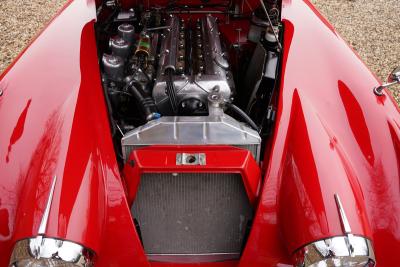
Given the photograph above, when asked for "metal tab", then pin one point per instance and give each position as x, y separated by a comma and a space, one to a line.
190, 159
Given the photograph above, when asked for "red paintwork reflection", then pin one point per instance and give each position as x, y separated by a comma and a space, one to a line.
62, 131
333, 135
18, 129
357, 122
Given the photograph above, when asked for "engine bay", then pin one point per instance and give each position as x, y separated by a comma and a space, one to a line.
190, 75
191, 93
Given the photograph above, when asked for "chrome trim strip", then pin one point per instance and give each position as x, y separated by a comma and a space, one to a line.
55, 251
343, 218
46, 213
349, 239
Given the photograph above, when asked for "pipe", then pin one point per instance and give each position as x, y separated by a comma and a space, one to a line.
242, 114
146, 101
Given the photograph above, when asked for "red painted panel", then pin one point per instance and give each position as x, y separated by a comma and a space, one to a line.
220, 159
54, 122
332, 135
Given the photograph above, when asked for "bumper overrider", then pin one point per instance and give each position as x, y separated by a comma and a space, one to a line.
354, 251
45, 251
347, 250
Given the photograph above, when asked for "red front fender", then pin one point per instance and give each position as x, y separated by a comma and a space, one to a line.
332, 136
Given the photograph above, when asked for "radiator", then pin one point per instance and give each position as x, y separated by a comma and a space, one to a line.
222, 130
204, 215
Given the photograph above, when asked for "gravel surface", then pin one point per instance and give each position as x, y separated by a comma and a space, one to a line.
20, 20
371, 27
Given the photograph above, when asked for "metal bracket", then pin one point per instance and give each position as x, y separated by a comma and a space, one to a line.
190, 159
394, 78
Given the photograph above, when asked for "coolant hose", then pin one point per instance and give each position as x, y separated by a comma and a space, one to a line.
145, 100
243, 114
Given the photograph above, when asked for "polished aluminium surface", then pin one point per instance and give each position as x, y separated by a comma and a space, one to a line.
334, 252
50, 252
196, 130
113, 66
348, 250
120, 47
214, 77
191, 159
394, 78
127, 32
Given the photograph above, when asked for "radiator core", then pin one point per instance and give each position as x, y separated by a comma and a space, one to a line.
192, 214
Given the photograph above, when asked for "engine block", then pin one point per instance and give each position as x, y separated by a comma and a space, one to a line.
192, 52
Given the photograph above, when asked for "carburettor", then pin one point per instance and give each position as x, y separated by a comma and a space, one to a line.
192, 64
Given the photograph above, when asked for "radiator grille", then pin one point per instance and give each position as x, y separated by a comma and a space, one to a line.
192, 213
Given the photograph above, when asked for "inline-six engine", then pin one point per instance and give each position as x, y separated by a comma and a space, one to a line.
185, 76
174, 68
179, 78
192, 65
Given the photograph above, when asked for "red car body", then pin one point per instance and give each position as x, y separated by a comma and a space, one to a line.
332, 136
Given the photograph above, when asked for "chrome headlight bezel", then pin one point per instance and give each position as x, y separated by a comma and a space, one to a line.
349, 251
45, 251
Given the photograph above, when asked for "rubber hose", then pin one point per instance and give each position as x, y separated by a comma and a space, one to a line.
145, 100
244, 116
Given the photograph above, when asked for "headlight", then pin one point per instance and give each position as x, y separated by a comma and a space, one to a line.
45, 252
341, 251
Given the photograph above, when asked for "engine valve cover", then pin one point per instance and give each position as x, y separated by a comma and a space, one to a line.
194, 54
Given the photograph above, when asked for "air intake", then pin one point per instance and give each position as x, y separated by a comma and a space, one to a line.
201, 215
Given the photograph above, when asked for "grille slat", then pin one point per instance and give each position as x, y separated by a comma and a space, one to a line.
192, 213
